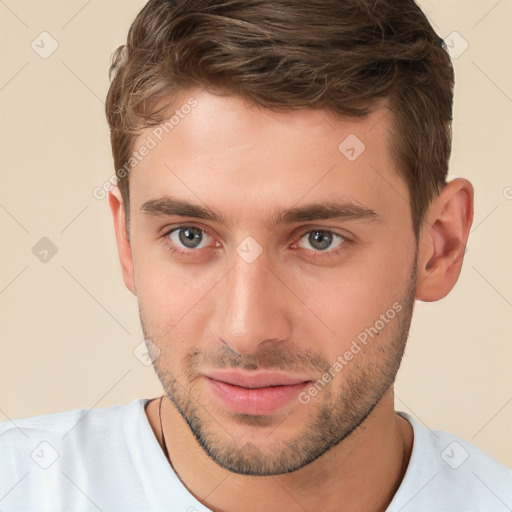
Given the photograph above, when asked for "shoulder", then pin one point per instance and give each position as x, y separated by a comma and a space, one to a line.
42, 457
452, 474
62, 425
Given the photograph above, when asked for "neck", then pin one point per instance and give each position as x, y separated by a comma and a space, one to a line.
363, 472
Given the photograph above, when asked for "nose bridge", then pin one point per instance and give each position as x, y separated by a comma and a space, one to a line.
253, 309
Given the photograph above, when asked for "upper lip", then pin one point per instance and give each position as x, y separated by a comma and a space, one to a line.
255, 379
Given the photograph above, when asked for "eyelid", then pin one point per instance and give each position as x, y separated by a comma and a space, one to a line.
334, 231
172, 229
318, 253
304, 230
169, 229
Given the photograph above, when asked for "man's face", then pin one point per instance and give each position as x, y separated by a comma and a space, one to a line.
279, 326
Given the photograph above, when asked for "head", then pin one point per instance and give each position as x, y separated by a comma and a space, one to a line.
282, 201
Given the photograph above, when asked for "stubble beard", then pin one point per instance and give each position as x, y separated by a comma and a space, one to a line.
333, 415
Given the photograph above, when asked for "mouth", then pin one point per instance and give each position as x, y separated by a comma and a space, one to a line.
257, 394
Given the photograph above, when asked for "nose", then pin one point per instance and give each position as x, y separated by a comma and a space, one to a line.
253, 307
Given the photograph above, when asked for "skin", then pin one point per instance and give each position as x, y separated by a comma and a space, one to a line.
295, 308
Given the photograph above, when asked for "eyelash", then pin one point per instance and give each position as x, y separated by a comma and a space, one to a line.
315, 254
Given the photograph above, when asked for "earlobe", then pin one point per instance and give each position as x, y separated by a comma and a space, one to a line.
443, 240
122, 238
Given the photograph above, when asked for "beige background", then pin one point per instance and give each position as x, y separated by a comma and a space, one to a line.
69, 327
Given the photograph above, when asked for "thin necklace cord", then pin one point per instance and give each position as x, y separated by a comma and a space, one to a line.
166, 453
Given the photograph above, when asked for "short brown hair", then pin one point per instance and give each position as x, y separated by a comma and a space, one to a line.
342, 55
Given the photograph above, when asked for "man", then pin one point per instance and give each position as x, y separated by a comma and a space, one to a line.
281, 203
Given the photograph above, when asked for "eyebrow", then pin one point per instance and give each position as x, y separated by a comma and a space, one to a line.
335, 210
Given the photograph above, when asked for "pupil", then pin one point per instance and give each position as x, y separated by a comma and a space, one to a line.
190, 237
320, 239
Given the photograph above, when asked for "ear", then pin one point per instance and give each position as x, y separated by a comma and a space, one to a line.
443, 240
115, 202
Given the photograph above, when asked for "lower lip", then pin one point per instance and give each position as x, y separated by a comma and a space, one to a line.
255, 401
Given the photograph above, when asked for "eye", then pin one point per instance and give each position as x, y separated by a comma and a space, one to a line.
321, 240
188, 237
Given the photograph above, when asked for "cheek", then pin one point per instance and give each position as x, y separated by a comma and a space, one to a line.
173, 299
352, 297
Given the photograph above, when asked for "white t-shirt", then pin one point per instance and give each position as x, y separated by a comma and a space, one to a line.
109, 460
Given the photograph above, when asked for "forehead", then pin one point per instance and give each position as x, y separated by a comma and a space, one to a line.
241, 157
